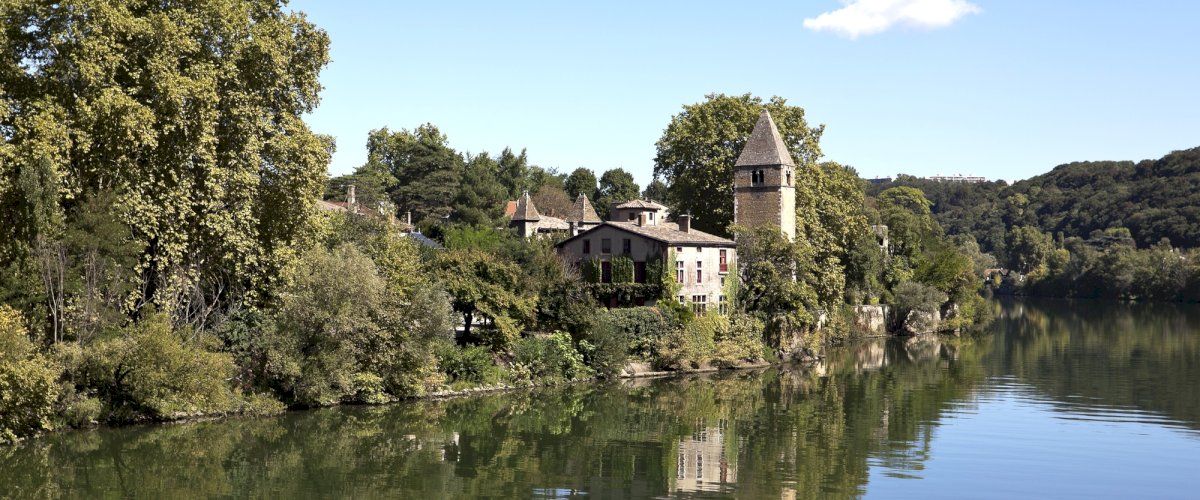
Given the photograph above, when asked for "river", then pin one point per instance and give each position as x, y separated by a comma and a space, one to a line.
1055, 399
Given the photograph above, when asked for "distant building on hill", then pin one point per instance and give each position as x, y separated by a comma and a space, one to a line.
879, 180
961, 179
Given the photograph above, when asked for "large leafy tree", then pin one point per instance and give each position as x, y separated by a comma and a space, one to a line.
189, 111
581, 181
697, 151
616, 186
426, 169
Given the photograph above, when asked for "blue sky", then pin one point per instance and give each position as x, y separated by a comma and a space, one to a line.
1005, 89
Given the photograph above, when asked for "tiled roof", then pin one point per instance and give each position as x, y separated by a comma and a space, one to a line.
552, 223
667, 233
331, 206
583, 211
765, 146
641, 204
526, 211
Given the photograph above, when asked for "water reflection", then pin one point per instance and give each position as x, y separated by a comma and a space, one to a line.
1111, 384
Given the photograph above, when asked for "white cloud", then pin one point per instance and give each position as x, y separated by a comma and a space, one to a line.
868, 17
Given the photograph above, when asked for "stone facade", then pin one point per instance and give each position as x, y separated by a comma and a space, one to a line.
764, 180
701, 262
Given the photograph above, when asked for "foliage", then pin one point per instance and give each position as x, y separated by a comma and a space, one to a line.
616, 186
193, 116
643, 327
481, 284
552, 201
692, 345
606, 349
739, 340
28, 387
480, 198
472, 364
622, 269
591, 270
581, 181
776, 286
149, 370
656, 191
698, 149
913, 297
549, 358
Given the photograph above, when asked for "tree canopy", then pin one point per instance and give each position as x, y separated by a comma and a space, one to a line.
697, 151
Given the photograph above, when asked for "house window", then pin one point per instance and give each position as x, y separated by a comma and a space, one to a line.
626, 246
699, 272
639, 272
587, 246
679, 274
724, 263
722, 306
632, 216
699, 304
605, 246
681, 301
606, 272
651, 216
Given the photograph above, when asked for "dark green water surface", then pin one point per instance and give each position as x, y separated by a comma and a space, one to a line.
1057, 400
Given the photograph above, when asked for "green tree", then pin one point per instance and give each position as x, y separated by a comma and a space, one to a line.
698, 149
480, 285
480, 198
581, 181
428, 171
656, 190
192, 114
616, 186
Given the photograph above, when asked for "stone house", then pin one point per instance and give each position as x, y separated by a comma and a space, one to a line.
700, 262
529, 222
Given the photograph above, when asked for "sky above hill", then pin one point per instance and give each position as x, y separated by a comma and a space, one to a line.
1004, 89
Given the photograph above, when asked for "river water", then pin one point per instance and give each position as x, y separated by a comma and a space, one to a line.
1055, 400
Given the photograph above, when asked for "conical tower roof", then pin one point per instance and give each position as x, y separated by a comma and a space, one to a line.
525, 209
765, 146
583, 211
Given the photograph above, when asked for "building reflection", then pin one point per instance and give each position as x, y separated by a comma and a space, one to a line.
702, 463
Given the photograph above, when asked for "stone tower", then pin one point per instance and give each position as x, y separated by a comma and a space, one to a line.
764, 190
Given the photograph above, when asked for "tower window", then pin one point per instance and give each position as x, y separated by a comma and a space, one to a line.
789, 178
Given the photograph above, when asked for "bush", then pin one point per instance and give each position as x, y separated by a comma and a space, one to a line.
469, 364
642, 327
739, 341
150, 371
911, 296
549, 358
607, 349
691, 346
27, 381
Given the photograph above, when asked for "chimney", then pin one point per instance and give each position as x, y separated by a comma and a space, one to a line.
572, 228
350, 194
641, 219
685, 223
408, 217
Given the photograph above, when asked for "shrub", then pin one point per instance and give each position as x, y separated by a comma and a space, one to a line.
622, 269
150, 371
911, 296
739, 341
27, 381
642, 327
692, 345
607, 349
550, 358
469, 364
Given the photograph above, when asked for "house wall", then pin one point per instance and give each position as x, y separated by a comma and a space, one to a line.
623, 215
642, 249
708, 260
